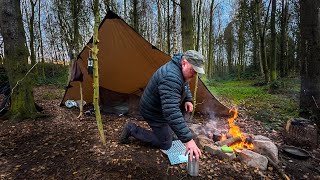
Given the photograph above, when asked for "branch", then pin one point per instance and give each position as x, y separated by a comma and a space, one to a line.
173, 1
216, 6
266, 19
283, 175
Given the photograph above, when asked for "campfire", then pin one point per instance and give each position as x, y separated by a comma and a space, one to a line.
232, 137
225, 140
234, 131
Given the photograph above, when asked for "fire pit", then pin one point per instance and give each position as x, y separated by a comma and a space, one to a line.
254, 150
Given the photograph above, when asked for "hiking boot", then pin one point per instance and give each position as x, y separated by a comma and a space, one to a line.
125, 134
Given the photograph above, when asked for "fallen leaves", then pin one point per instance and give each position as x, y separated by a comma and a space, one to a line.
64, 147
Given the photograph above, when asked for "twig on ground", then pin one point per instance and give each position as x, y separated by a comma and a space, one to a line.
283, 175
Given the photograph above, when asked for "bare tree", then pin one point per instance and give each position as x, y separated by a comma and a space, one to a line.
168, 27
262, 35
174, 28
273, 69
199, 6
187, 25
31, 24
283, 38
256, 58
159, 33
229, 41
40, 32
135, 15
210, 49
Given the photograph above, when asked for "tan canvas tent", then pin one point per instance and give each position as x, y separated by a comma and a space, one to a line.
126, 63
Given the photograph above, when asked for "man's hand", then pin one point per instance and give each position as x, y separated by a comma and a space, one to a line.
188, 106
193, 148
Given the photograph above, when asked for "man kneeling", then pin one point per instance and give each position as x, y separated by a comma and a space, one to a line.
160, 104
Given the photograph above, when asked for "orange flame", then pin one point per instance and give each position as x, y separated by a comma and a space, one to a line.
235, 131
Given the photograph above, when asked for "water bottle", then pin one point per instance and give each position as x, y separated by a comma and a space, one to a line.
193, 166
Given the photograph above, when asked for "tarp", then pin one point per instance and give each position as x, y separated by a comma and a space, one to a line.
126, 63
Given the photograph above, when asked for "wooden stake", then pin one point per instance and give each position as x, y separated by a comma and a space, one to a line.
81, 101
194, 97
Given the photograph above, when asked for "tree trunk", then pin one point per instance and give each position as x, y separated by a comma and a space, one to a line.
16, 53
298, 44
228, 36
135, 18
75, 9
159, 38
310, 64
255, 39
283, 38
174, 29
240, 49
168, 27
69, 26
203, 52
125, 9
273, 70
31, 30
95, 51
262, 32
108, 5
40, 39
187, 25
241, 40
198, 24
210, 53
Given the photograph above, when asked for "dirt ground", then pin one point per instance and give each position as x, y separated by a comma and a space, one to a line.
61, 146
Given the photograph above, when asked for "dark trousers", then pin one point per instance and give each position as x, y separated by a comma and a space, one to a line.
160, 136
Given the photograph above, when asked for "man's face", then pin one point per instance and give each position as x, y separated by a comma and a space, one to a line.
187, 70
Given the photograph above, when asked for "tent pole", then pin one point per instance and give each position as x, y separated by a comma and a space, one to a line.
194, 97
81, 101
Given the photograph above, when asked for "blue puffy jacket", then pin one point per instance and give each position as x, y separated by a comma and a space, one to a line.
165, 92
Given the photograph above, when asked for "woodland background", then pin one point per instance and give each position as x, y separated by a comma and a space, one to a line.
262, 56
262, 40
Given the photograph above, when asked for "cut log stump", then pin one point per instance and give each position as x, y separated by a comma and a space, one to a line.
301, 132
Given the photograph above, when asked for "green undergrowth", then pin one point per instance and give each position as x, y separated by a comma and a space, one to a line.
271, 104
52, 74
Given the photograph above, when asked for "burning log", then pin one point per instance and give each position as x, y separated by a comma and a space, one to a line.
229, 141
216, 137
249, 140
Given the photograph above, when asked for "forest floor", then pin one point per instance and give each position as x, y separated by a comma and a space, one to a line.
61, 146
